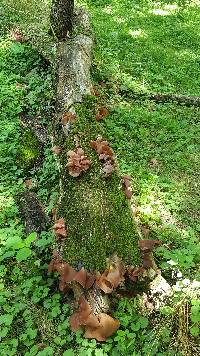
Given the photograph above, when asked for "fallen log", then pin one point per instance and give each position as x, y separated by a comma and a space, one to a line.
187, 100
95, 209
32, 212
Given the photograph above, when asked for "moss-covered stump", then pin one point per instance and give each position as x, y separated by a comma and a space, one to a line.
95, 209
29, 149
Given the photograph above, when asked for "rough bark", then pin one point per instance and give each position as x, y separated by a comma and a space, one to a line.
61, 18
32, 212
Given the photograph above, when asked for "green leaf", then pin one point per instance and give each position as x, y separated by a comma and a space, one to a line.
69, 352
14, 342
57, 340
7, 255
48, 351
136, 327
55, 311
14, 242
23, 254
17, 48
6, 319
30, 238
32, 333
194, 330
195, 318
3, 332
143, 322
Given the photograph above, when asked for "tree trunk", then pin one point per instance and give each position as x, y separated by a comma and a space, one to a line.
61, 18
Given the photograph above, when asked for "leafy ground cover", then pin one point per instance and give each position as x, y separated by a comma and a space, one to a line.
148, 47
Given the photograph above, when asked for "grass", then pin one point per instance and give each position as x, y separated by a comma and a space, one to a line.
166, 194
148, 46
152, 47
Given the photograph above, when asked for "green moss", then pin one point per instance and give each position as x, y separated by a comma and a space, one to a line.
95, 209
29, 149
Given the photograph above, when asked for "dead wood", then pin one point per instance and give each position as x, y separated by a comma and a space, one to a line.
187, 100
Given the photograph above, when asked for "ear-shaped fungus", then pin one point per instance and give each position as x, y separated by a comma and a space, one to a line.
99, 327
69, 274
126, 181
103, 112
68, 117
77, 162
112, 276
106, 155
107, 327
146, 248
60, 229
56, 149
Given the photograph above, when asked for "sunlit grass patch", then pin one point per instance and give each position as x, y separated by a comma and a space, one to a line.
158, 145
129, 33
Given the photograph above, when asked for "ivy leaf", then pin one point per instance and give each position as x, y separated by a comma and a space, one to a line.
143, 322
6, 319
194, 331
23, 254
30, 238
69, 352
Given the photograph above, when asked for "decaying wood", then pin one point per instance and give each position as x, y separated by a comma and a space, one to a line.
73, 73
61, 18
73, 63
32, 212
96, 211
187, 100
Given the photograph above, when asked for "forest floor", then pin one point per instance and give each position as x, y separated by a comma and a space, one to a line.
143, 47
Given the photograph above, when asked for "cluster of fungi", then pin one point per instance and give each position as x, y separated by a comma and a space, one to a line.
77, 162
98, 325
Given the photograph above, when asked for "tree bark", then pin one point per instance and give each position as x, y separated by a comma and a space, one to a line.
61, 18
